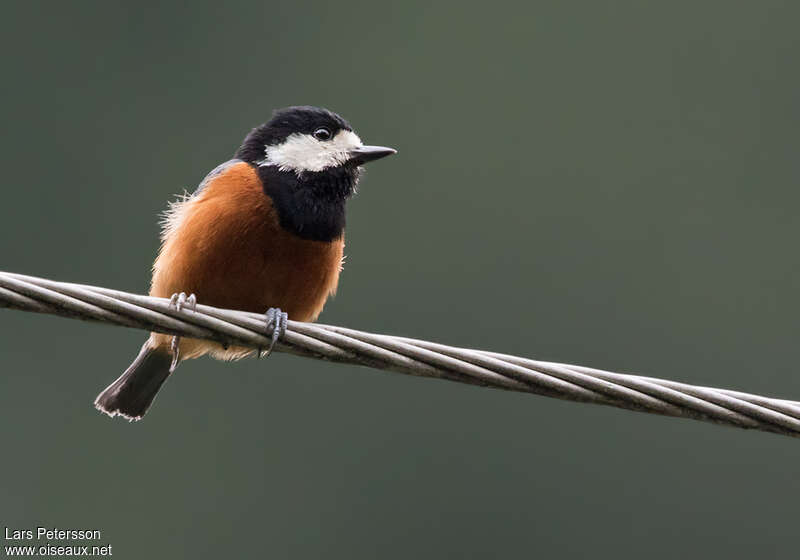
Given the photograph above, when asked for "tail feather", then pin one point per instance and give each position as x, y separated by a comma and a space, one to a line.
134, 391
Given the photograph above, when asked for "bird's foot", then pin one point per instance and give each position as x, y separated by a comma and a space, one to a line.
179, 302
276, 321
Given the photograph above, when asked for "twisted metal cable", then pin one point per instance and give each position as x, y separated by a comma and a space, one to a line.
405, 355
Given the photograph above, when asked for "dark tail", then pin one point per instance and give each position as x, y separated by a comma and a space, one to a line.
132, 394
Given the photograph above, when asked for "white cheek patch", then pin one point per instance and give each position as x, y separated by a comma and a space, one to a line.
303, 152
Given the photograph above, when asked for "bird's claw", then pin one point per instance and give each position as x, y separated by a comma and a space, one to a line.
180, 301
276, 320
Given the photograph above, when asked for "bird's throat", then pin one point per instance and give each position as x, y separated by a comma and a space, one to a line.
312, 205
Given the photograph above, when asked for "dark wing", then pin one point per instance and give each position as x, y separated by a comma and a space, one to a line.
214, 173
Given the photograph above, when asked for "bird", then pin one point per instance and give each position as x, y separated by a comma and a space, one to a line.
263, 232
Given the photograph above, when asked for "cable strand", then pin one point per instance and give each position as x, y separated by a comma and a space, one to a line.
405, 355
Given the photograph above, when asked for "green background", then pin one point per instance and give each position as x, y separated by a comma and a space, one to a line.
606, 183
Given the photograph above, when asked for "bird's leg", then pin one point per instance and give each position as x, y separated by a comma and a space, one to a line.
276, 321
179, 301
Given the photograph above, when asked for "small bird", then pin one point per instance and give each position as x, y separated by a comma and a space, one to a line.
264, 232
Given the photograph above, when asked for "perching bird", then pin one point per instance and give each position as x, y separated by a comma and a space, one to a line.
264, 232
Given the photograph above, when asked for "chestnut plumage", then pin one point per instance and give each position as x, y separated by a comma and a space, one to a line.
263, 230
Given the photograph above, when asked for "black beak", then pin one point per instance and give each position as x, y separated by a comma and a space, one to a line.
364, 154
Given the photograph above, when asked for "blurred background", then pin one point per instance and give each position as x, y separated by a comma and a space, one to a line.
612, 184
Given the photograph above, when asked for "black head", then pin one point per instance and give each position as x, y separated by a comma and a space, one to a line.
309, 161
307, 139
304, 120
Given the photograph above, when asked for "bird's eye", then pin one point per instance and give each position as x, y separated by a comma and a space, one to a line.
322, 134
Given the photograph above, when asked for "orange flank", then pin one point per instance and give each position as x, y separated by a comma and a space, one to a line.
226, 246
